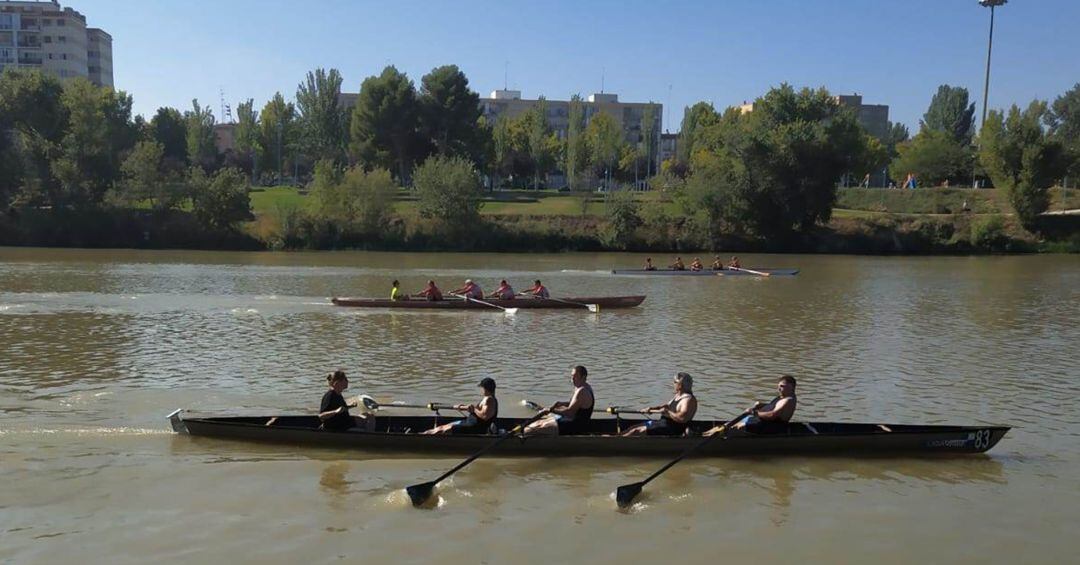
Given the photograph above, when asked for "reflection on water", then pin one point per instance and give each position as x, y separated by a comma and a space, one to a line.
99, 345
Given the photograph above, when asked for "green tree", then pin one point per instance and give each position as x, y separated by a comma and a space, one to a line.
539, 141
146, 177
169, 128
327, 194
278, 135
220, 201
577, 145
1022, 158
201, 142
369, 196
322, 120
32, 122
933, 157
650, 138
449, 190
895, 134
450, 113
950, 112
695, 118
624, 216
247, 129
605, 139
1064, 121
386, 122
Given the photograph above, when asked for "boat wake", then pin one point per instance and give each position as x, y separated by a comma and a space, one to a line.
85, 432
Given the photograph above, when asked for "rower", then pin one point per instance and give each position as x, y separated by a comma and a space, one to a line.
677, 265
734, 264
431, 292
334, 410
395, 291
470, 290
481, 415
648, 264
696, 265
504, 292
537, 291
568, 418
769, 417
675, 416
718, 264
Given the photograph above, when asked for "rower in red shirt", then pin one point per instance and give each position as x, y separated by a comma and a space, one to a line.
470, 290
504, 292
537, 291
431, 292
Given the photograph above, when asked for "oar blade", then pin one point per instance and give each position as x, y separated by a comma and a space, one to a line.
594, 308
511, 311
421, 493
624, 495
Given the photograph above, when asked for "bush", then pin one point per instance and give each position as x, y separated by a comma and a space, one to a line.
220, 201
989, 233
624, 216
449, 190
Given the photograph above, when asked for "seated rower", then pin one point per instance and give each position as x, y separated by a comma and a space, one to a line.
769, 417
734, 264
430, 292
470, 290
504, 292
481, 415
675, 416
334, 410
537, 291
696, 265
648, 264
678, 265
718, 264
395, 292
568, 418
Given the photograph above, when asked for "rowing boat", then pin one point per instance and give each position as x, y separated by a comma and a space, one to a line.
399, 434
708, 272
604, 302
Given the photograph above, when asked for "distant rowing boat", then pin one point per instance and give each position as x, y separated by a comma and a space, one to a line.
569, 302
708, 272
400, 434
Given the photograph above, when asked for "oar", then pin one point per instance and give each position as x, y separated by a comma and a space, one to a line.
594, 308
509, 311
625, 494
371, 405
751, 271
420, 493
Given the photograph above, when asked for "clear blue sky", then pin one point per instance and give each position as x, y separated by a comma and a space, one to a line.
893, 52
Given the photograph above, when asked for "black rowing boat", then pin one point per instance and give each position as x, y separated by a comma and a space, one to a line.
399, 434
571, 302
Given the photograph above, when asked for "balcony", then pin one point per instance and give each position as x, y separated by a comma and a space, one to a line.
29, 60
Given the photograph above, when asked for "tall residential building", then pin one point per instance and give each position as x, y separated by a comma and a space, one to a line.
629, 115
54, 40
873, 117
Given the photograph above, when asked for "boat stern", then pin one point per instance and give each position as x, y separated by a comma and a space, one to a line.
177, 422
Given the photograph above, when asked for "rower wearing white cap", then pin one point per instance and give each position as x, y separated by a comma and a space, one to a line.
470, 290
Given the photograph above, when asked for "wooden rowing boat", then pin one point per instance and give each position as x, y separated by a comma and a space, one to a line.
707, 272
399, 434
604, 302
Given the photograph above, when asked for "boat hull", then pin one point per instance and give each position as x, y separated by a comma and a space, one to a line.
706, 273
568, 303
397, 434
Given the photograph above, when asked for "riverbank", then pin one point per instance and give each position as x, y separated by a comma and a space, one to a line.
866, 221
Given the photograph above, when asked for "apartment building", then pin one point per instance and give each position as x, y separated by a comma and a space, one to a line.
629, 115
873, 117
54, 40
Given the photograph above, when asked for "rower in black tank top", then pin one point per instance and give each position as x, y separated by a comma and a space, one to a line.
580, 424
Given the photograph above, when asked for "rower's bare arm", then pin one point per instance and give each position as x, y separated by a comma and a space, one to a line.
329, 414
777, 411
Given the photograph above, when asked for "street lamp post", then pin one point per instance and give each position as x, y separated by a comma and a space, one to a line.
989, 48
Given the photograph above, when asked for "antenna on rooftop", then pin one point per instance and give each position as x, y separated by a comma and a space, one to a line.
603, 71
506, 74
226, 110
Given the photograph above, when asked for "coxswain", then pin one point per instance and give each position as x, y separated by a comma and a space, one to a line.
696, 265
431, 292
734, 264
677, 265
772, 416
537, 291
504, 292
568, 418
718, 264
675, 416
481, 415
648, 264
334, 410
470, 290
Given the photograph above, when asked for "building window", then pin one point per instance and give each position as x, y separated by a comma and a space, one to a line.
48, 39
50, 55
61, 22
64, 56
61, 38
46, 21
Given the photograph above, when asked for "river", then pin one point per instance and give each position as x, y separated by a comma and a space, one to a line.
99, 345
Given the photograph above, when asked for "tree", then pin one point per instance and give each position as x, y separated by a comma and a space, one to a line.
247, 130
278, 135
146, 177
201, 141
322, 120
695, 118
895, 134
1022, 158
220, 201
623, 214
169, 128
650, 140
450, 113
605, 139
538, 141
1064, 121
34, 117
577, 146
385, 123
934, 157
369, 195
449, 190
326, 192
949, 112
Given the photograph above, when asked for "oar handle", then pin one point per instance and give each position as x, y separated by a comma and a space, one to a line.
621, 410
